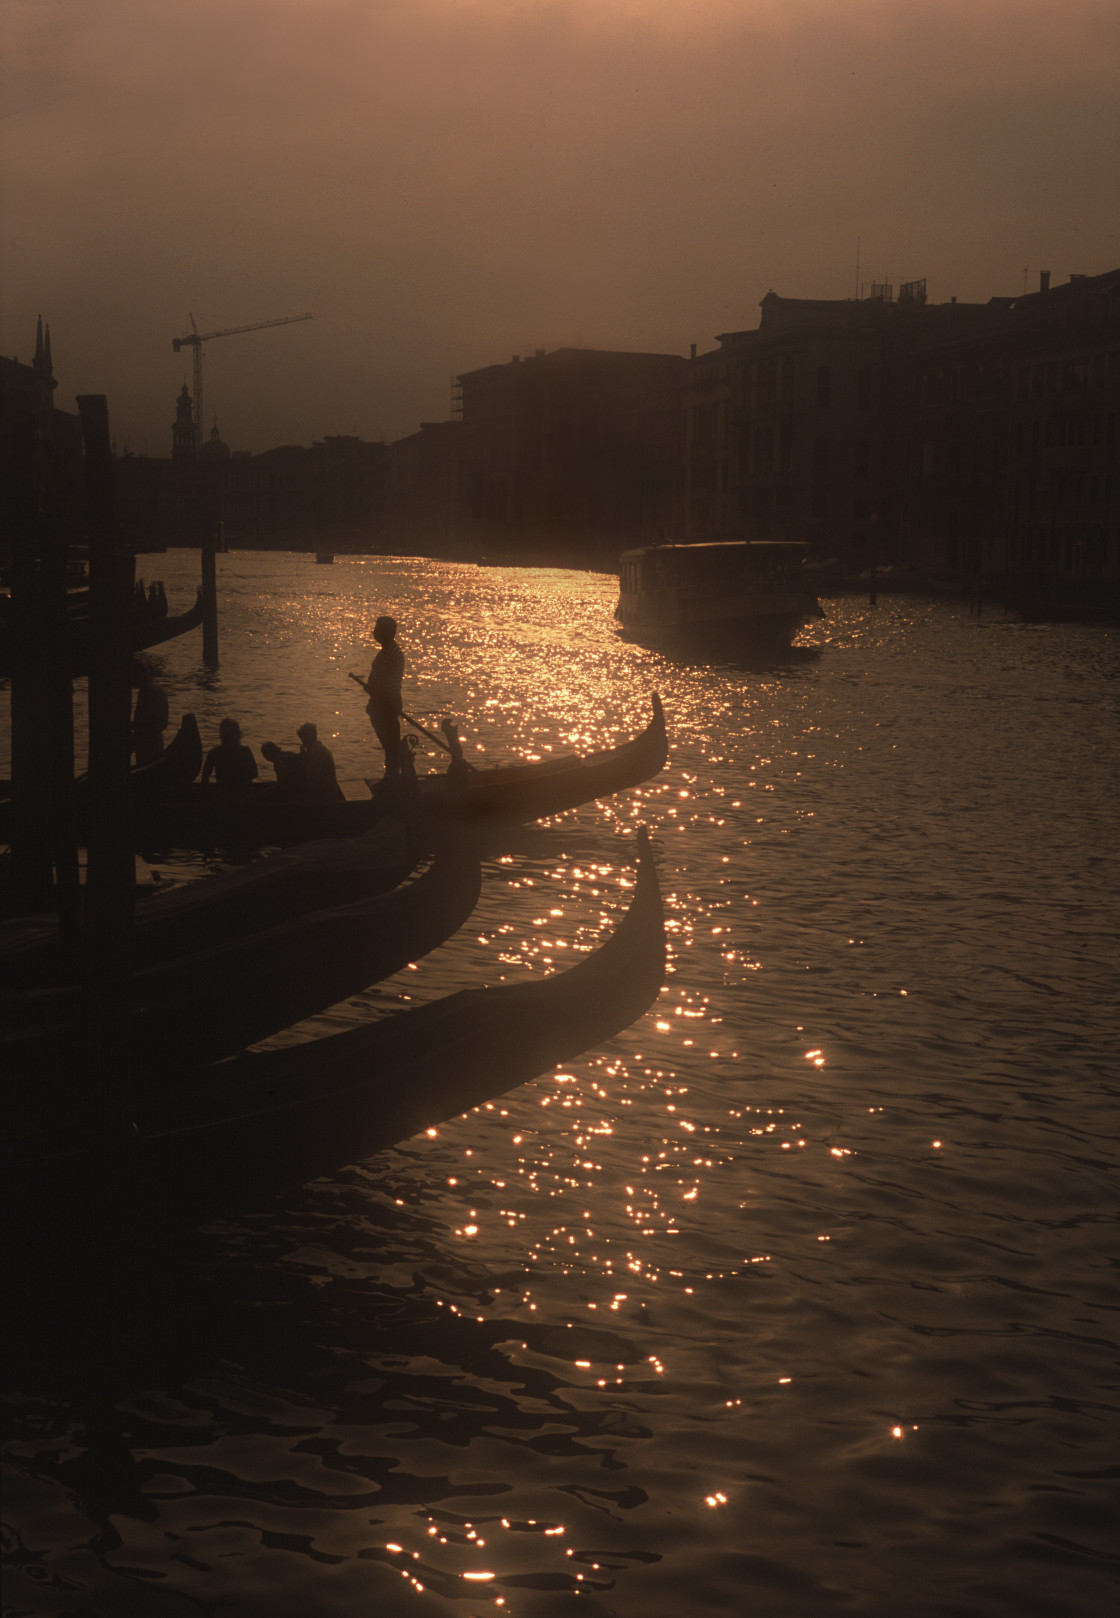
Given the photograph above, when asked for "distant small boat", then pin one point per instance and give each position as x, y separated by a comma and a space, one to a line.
324, 556
722, 596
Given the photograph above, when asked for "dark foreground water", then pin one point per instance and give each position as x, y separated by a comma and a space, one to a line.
798, 1298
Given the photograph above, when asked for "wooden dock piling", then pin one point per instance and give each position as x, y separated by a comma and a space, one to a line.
210, 603
110, 870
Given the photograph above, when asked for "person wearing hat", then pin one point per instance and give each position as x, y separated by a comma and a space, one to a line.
383, 689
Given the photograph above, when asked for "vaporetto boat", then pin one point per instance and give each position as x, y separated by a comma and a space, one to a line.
722, 597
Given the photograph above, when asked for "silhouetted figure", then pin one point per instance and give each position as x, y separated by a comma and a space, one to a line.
149, 716
231, 763
458, 770
384, 691
289, 769
157, 601
319, 783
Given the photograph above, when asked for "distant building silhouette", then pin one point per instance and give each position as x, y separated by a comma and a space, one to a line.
42, 492
965, 440
213, 453
1012, 472
571, 455
182, 431
792, 429
286, 498
422, 496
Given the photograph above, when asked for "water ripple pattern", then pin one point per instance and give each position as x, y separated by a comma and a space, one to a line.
797, 1298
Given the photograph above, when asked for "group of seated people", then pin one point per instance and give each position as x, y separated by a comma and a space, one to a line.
308, 775
149, 605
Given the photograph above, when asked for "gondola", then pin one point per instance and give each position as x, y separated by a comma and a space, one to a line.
176, 767
168, 775
265, 1122
199, 1007
248, 899
155, 631
507, 794
147, 631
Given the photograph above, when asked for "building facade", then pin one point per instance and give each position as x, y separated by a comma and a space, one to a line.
571, 455
422, 493
793, 429
1012, 470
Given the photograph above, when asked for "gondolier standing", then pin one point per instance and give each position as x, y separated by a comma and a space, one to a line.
384, 691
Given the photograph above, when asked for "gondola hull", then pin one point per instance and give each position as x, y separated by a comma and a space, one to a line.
269, 1121
147, 631
203, 1006
248, 899
202, 818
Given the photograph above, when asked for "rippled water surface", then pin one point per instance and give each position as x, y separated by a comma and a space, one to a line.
797, 1298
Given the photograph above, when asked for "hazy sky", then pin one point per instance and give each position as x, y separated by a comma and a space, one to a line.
445, 183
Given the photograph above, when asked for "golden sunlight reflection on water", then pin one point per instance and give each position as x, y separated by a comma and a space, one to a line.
812, 1250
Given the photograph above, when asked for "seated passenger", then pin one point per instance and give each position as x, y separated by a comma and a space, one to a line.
320, 783
289, 769
230, 763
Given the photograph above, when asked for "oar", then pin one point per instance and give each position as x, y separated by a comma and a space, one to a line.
415, 723
424, 731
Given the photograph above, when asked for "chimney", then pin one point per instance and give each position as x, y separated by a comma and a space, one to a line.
692, 351
1044, 280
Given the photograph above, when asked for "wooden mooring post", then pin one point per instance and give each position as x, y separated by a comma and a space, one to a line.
110, 896
39, 457
210, 603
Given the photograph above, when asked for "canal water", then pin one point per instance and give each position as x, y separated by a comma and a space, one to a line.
797, 1298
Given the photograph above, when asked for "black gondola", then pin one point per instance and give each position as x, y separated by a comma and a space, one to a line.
264, 1122
506, 794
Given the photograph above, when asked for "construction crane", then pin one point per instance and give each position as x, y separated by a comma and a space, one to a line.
196, 340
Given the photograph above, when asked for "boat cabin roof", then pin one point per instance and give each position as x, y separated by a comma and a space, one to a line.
717, 549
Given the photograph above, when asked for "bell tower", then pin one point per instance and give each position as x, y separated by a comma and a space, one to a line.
182, 432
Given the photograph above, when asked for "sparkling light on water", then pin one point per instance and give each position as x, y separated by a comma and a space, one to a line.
714, 1309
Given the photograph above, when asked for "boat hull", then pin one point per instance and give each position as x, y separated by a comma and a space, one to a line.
714, 598
215, 1001
265, 1122
507, 795
723, 630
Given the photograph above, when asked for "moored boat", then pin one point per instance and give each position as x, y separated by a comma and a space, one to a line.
166, 775
721, 597
175, 921
147, 631
199, 1007
267, 1121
